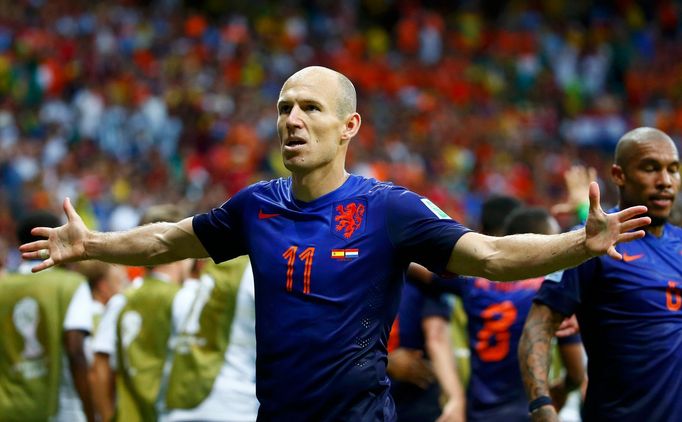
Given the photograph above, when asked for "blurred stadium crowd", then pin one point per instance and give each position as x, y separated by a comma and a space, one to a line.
121, 105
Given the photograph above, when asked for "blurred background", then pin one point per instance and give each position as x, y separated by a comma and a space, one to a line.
124, 104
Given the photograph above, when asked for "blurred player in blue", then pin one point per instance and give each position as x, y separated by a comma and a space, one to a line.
496, 313
421, 364
329, 252
419, 369
629, 309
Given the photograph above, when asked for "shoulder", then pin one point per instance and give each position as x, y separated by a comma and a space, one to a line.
116, 301
397, 200
270, 188
377, 187
54, 279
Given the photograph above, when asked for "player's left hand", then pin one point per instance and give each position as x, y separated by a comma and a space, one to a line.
568, 327
453, 411
604, 231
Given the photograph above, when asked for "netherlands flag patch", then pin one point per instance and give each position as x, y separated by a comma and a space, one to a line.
345, 253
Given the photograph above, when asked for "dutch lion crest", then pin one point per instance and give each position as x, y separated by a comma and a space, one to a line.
349, 218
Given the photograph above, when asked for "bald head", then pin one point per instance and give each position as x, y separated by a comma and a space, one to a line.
628, 145
346, 96
646, 171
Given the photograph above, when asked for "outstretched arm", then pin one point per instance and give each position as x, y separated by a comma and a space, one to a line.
522, 256
534, 356
151, 244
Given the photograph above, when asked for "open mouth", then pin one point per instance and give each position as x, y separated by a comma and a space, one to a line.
293, 143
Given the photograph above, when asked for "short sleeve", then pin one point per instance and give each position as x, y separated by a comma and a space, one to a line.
79, 313
436, 305
220, 230
561, 291
105, 339
455, 285
420, 231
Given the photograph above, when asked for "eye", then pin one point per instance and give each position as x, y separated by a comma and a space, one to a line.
311, 107
284, 108
674, 169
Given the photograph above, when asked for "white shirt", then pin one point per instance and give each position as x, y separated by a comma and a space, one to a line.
105, 338
233, 397
97, 311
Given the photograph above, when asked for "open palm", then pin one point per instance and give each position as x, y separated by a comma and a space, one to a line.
604, 231
61, 244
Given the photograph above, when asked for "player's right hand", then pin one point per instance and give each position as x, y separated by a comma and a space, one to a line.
545, 414
61, 244
409, 365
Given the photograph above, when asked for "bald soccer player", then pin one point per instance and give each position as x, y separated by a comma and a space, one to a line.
329, 252
629, 309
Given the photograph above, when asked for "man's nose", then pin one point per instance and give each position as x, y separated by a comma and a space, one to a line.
665, 179
294, 117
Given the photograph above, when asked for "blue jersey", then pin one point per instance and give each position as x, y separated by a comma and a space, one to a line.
413, 402
328, 275
631, 325
415, 306
496, 313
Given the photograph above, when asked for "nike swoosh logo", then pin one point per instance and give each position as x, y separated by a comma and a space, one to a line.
262, 215
630, 258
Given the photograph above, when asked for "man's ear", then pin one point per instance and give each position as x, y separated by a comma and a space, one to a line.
351, 127
617, 175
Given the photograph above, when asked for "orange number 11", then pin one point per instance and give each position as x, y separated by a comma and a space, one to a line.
305, 256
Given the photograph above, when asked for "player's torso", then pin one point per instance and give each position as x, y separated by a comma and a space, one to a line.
631, 324
32, 310
325, 273
496, 314
643, 288
329, 253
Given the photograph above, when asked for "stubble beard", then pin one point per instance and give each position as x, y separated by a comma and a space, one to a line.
657, 221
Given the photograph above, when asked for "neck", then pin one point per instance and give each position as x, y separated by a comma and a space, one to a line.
658, 223
655, 230
99, 297
312, 185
